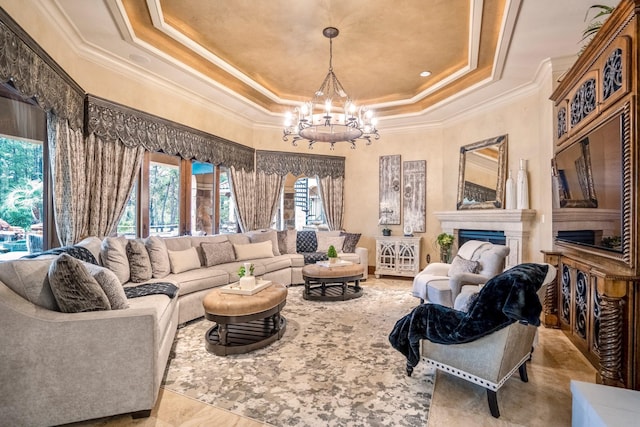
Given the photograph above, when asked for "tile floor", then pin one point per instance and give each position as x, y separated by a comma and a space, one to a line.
544, 401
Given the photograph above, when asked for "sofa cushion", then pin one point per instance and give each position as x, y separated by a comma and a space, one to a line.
253, 251
139, 261
199, 279
238, 239
113, 254
29, 279
306, 241
350, 242
180, 243
461, 265
264, 236
217, 253
110, 284
184, 260
158, 256
74, 287
325, 241
275, 263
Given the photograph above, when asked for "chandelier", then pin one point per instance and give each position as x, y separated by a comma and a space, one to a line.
330, 116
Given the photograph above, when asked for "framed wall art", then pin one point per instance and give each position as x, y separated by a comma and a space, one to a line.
414, 181
389, 190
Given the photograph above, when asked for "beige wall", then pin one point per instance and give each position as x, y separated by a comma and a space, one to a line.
527, 119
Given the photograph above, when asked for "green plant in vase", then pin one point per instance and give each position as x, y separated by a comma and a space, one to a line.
242, 270
445, 243
332, 254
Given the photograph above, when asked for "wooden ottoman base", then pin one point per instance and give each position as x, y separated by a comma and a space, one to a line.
244, 322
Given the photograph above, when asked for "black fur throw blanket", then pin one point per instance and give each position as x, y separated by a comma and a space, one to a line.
507, 298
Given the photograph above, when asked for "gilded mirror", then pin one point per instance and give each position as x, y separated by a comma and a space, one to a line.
481, 178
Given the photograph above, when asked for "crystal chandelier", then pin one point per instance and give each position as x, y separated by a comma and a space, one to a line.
331, 116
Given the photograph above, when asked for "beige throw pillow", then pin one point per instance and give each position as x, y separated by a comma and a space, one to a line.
139, 262
113, 254
254, 251
110, 285
217, 253
74, 287
158, 255
184, 260
264, 236
325, 241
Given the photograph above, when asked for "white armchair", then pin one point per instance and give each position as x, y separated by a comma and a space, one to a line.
474, 264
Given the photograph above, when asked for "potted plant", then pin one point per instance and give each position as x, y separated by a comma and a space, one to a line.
445, 242
243, 270
332, 254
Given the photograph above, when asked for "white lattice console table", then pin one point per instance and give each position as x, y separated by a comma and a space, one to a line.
397, 256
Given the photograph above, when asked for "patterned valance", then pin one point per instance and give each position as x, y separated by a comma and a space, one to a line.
29, 69
111, 122
282, 163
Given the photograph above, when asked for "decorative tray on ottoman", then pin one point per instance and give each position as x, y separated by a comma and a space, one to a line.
234, 288
338, 263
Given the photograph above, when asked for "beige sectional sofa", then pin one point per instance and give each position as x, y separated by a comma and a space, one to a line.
58, 367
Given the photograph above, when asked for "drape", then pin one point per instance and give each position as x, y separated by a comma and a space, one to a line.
70, 197
243, 187
269, 188
111, 170
332, 194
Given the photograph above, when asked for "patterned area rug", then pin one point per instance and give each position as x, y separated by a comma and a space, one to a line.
333, 367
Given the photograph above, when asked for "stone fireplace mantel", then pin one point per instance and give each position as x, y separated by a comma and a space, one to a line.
515, 223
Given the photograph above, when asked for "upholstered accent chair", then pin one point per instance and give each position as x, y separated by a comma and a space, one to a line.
474, 264
491, 360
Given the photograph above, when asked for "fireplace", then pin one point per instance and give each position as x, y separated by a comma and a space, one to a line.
514, 224
492, 236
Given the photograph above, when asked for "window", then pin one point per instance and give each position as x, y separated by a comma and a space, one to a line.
22, 178
228, 221
202, 198
164, 196
308, 204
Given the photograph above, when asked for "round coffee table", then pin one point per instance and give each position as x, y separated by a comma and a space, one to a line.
332, 283
244, 322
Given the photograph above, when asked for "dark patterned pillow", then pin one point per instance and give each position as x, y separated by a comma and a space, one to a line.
306, 241
217, 252
74, 288
139, 261
350, 242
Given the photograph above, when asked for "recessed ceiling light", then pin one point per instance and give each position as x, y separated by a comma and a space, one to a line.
425, 74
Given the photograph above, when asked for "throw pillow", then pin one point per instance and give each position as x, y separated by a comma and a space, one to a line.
182, 261
217, 253
292, 236
253, 251
350, 242
74, 287
263, 236
139, 262
113, 254
325, 241
110, 285
306, 241
461, 265
282, 241
158, 255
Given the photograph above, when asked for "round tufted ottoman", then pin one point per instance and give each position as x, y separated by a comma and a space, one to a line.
332, 283
244, 322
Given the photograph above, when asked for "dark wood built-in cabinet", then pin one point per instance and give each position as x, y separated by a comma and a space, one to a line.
595, 298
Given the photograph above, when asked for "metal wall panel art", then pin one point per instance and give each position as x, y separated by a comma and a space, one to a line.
389, 196
414, 179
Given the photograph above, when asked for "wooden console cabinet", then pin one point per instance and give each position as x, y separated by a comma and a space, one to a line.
596, 297
397, 256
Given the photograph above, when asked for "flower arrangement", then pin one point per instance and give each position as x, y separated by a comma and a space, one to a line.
242, 270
